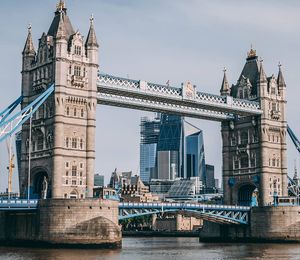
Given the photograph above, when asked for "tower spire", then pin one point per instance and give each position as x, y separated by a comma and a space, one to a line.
61, 32
225, 89
61, 5
262, 75
29, 48
91, 40
280, 78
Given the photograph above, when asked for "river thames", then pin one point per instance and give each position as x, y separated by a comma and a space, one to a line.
161, 248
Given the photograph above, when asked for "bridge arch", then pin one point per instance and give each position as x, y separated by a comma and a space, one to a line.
246, 194
39, 183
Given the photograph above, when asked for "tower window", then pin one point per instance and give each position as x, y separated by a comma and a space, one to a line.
73, 182
244, 137
245, 93
273, 91
40, 141
77, 71
74, 142
77, 50
74, 171
68, 111
81, 144
67, 142
244, 161
75, 111
82, 113
67, 182
67, 173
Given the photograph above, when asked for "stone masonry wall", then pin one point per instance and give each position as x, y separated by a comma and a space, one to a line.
276, 223
63, 222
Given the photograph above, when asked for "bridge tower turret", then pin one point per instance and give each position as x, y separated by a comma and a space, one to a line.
254, 148
63, 129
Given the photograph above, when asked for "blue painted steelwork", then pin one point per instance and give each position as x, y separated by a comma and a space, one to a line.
9, 126
215, 213
294, 138
18, 204
6, 112
225, 214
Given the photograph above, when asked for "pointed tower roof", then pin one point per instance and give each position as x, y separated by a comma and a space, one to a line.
250, 71
61, 30
280, 78
262, 75
61, 11
225, 89
91, 39
29, 48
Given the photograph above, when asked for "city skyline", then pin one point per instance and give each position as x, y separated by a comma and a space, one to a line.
173, 52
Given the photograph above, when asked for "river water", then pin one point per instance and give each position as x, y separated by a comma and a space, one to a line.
161, 248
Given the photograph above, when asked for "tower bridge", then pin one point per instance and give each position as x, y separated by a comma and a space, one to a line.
57, 150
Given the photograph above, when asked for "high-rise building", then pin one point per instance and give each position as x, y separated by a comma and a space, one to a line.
194, 154
98, 180
169, 148
148, 146
210, 178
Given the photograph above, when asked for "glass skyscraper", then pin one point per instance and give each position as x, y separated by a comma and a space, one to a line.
195, 159
171, 148
148, 147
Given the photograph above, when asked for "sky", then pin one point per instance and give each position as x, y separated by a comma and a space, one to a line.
157, 41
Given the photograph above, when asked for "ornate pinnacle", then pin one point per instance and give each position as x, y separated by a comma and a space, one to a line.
252, 52
92, 19
29, 28
61, 5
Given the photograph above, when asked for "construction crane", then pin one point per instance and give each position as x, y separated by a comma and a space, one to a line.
10, 167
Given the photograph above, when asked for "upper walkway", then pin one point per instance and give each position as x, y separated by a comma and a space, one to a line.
185, 101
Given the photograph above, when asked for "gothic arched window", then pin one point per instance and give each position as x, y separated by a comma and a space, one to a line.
244, 161
244, 137
39, 141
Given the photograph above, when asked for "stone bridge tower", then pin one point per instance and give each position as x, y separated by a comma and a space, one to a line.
254, 148
63, 129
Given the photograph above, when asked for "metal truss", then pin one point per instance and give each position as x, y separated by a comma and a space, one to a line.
186, 101
9, 124
294, 138
18, 204
5, 113
293, 187
216, 213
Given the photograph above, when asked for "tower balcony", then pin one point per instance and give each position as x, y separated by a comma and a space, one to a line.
78, 81
275, 114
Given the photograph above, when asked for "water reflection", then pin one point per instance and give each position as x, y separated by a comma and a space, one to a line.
161, 248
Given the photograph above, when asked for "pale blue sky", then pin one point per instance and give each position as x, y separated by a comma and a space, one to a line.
160, 40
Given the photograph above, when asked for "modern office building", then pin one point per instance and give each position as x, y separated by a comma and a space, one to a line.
210, 179
99, 180
170, 148
148, 147
195, 157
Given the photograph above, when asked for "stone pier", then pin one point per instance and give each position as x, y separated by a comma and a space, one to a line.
63, 223
267, 224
